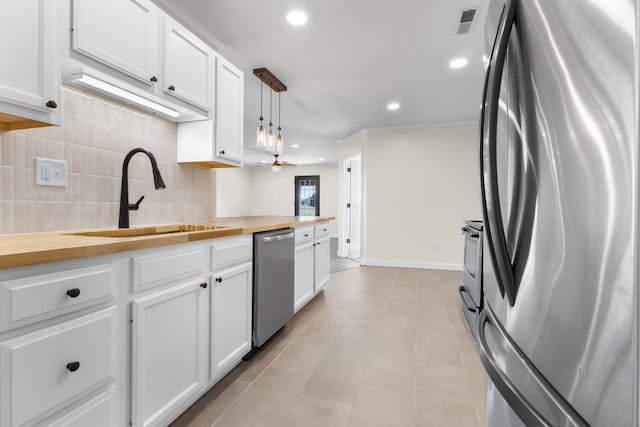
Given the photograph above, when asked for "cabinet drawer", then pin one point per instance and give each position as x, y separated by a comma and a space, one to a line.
34, 298
40, 371
322, 230
229, 251
165, 267
304, 234
97, 412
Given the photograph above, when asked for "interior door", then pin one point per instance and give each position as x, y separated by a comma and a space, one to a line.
355, 209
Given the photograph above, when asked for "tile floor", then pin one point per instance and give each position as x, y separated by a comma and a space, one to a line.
379, 347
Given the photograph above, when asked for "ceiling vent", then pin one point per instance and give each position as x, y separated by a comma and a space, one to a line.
465, 24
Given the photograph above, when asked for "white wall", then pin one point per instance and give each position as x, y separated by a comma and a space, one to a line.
275, 194
233, 192
421, 184
265, 193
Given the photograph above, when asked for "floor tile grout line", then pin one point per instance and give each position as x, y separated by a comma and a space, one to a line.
258, 377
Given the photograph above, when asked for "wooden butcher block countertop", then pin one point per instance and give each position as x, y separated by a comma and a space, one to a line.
36, 248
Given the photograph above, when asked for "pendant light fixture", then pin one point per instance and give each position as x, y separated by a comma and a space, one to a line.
261, 136
279, 142
271, 141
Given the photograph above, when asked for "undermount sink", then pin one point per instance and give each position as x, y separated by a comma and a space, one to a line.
149, 231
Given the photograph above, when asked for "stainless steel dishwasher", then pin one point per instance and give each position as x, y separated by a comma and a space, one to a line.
273, 272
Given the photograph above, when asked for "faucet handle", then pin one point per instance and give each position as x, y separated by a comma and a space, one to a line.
136, 205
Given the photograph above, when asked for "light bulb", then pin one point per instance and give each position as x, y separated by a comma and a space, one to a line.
262, 141
279, 141
276, 169
271, 142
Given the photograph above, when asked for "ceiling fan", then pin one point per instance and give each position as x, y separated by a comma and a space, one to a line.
277, 163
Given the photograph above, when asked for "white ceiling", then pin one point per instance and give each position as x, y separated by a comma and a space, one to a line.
344, 66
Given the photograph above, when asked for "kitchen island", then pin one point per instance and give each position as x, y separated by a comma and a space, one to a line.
111, 327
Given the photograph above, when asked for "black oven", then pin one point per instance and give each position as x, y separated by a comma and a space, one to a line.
471, 287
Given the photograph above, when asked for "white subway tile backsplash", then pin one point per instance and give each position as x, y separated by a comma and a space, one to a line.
93, 139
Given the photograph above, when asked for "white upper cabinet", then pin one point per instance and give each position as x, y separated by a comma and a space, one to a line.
188, 66
29, 75
229, 110
217, 142
135, 46
122, 34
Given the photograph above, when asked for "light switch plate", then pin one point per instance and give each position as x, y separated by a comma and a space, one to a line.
51, 172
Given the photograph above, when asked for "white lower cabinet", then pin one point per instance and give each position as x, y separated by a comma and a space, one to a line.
322, 257
170, 350
98, 412
47, 369
231, 316
303, 279
312, 263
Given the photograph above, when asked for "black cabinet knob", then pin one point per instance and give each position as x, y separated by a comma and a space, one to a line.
154, 79
172, 88
52, 104
219, 279
73, 293
222, 152
73, 366
203, 285
306, 235
318, 244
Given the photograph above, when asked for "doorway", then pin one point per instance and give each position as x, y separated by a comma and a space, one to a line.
352, 210
307, 195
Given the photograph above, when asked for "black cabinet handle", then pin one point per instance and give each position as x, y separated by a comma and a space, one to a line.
52, 104
73, 366
172, 88
153, 79
219, 279
203, 285
73, 293
222, 152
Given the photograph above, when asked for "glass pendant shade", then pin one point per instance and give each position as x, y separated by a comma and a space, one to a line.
279, 141
261, 135
271, 141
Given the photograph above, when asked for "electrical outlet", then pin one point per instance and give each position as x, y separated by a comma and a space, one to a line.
51, 172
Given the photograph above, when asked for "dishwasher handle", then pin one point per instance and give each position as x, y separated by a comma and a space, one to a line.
279, 237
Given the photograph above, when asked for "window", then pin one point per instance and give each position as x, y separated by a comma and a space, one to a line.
307, 198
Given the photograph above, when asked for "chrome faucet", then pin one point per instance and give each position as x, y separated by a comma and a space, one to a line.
125, 206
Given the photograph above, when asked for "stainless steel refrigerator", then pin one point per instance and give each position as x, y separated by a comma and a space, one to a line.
559, 171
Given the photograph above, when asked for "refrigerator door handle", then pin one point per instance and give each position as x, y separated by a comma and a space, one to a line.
563, 412
491, 198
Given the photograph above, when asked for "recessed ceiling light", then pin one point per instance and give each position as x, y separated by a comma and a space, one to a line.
458, 63
294, 145
321, 159
297, 18
263, 161
393, 106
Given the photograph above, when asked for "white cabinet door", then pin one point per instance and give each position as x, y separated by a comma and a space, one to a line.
322, 263
122, 34
170, 350
29, 76
304, 275
231, 316
188, 66
229, 110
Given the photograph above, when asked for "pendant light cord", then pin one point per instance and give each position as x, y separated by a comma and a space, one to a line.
261, 99
270, 103
279, 107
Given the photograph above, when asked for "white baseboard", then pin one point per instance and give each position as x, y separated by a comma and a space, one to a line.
411, 264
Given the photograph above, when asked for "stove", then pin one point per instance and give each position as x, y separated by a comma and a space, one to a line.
471, 287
